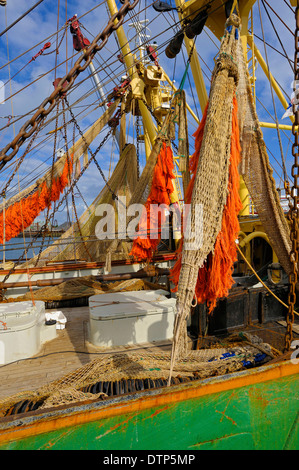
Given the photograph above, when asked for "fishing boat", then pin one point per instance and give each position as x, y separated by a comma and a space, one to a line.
176, 329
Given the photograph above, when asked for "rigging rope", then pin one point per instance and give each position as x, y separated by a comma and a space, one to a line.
273, 101
277, 35
20, 18
261, 281
182, 84
149, 228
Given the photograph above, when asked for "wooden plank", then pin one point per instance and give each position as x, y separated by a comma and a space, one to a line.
295, 327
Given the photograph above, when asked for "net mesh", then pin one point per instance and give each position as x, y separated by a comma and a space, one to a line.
84, 241
141, 365
81, 242
210, 185
257, 172
85, 286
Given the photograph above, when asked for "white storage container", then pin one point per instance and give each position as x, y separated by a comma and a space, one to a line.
134, 317
22, 330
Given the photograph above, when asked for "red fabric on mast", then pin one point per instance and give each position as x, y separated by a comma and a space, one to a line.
21, 214
149, 229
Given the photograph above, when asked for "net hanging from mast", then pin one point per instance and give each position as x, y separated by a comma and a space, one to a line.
257, 172
123, 182
204, 267
195, 273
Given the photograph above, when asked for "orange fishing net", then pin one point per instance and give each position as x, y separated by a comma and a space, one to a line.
152, 219
215, 277
21, 214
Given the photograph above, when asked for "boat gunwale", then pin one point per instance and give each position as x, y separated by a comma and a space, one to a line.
82, 265
37, 422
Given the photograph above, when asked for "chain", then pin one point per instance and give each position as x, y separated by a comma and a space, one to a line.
65, 83
73, 196
4, 191
58, 45
151, 111
293, 203
93, 154
48, 209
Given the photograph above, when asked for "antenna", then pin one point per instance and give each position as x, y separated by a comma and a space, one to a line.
141, 37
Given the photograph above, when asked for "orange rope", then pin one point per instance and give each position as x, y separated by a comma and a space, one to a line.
4, 324
215, 277
149, 230
22, 214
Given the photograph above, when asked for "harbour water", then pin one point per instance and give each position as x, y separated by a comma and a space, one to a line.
15, 248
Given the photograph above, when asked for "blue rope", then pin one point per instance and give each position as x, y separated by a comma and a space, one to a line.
182, 84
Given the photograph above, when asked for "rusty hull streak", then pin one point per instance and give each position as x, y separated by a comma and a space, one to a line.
156, 412
223, 412
37, 422
259, 400
117, 426
52, 443
199, 444
294, 425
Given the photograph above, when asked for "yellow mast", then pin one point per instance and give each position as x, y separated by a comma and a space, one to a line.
268, 74
138, 87
136, 83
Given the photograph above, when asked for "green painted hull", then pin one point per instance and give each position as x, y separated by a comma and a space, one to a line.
260, 416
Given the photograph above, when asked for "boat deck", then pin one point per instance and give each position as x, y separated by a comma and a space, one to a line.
69, 351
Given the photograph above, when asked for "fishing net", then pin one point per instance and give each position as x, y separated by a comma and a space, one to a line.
215, 148
230, 75
150, 223
257, 172
82, 242
114, 374
85, 286
138, 196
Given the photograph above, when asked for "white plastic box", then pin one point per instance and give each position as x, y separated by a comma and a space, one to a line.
23, 330
125, 318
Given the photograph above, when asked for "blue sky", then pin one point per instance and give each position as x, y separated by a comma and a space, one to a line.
42, 23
